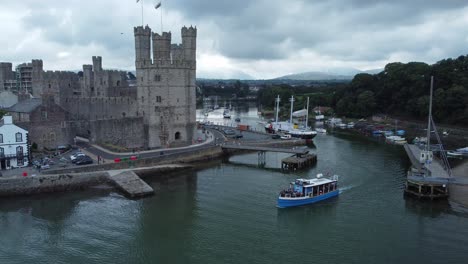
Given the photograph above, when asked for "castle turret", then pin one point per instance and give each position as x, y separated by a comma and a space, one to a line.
161, 46
37, 78
189, 43
97, 63
142, 46
88, 80
6, 73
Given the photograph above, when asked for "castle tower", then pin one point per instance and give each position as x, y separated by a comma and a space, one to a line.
37, 78
189, 43
142, 46
6, 73
97, 63
166, 87
161, 46
87, 88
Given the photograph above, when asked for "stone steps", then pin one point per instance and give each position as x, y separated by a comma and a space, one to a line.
132, 185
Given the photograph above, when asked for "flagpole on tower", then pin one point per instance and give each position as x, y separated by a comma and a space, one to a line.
158, 5
142, 23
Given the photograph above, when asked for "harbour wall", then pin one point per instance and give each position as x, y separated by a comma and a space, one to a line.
50, 183
77, 178
202, 154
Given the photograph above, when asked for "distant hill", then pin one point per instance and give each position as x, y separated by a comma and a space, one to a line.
314, 76
332, 74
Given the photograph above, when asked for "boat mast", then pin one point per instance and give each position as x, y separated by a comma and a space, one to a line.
307, 114
429, 117
277, 107
292, 105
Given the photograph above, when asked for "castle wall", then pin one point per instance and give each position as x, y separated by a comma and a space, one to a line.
126, 132
98, 108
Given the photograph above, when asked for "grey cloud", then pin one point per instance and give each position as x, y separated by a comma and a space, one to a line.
257, 29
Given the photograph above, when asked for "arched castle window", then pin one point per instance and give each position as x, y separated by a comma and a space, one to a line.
158, 99
177, 135
123, 114
118, 83
157, 78
1, 138
142, 99
49, 85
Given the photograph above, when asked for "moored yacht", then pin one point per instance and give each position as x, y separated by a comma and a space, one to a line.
289, 127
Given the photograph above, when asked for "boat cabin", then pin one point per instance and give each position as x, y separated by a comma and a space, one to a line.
310, 187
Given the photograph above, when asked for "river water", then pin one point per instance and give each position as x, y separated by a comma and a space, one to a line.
226, 212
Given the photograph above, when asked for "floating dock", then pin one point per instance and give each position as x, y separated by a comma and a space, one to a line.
426, 180
132, 185
298, 162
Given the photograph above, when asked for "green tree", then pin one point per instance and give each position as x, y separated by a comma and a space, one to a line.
365, 104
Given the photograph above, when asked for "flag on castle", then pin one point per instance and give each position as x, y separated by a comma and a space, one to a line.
138, 1
158, 5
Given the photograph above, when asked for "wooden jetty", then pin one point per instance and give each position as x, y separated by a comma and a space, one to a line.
132, 185
426, 180
297, 151
298, 162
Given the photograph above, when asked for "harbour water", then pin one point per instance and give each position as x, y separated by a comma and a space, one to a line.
226, 212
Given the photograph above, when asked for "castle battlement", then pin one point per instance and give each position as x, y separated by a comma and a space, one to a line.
59, 73
189, 32
163, 36
142, 31
165, 54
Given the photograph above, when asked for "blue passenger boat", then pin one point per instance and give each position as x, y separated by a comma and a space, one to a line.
307, 191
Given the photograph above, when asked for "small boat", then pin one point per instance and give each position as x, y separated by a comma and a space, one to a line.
302, 133
308, 191
226, 114
388, 133
454, 154
350, 125
397, 140
321, 130
237, 119
463, 150
286, 137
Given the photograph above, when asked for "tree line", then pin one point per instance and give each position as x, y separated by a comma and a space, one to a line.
401, 89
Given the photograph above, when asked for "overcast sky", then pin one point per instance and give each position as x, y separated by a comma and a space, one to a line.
239, 39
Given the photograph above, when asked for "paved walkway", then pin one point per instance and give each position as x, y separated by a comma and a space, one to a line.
108, 156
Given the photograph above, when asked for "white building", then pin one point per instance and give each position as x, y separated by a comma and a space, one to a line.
13, 145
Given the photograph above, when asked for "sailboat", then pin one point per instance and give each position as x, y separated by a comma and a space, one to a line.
428, 178
303, 132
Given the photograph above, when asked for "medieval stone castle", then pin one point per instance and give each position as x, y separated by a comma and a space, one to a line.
155, 110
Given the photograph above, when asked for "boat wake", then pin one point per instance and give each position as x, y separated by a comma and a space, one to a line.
343, 189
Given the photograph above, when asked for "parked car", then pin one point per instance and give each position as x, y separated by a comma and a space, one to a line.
84, 160
45, 167
238, 136
75, 156
229, 132
275, 136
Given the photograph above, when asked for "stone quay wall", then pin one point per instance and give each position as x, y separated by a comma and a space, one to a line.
202, 154
50, 183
